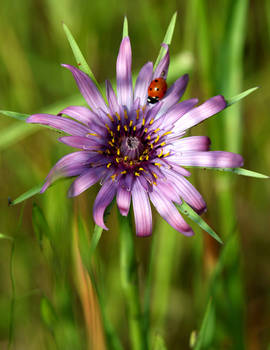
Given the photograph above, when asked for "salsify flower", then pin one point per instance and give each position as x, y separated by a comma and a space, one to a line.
136, 150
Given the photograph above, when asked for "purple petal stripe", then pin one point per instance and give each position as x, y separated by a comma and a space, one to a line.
60, 123
123, 74
192, 143
162, 68
200, 113
212, 159
87, 88
123, 198
142, 210
85, 180
103, 199
70, 165
169, 213
80, 113
142, 83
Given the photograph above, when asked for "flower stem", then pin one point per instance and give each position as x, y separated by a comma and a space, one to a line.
129, 280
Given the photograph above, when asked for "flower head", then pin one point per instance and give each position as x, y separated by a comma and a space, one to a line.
135, 149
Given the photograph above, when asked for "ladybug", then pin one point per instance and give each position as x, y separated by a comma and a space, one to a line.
156, 90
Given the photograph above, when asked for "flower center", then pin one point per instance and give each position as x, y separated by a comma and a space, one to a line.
131, 146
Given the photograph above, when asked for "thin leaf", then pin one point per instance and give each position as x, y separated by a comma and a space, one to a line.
125, 27
40, 223
16, 115
95, 239
81, 62
159, 343
3, 236
167, 39
238, 171
239, 97
28, 194
189, 212
206, 325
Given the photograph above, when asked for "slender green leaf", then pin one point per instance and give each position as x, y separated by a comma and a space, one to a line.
207, 326
189, 212
125, 27
3, 236
239, 97
95, 239
167, 39
238, 171
28, 194
40, 223
81, 62
16, 115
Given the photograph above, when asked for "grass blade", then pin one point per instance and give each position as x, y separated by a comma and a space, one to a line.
15, 115
3, 236
238, 171
28, 194
81, 62
239, 97
207, 326
167, 39
125, 27
189, 212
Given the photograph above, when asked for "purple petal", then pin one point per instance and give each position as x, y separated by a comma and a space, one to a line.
169, 213
103, 199
85, 180
87, 88
192, 143
187, 192
174, 93
82, 114
112, 99
178, 110
212, 159
123, 74
82, 142
142, 83
142, 210
72, 164
123, 198
69, 126
162, 68
198, 114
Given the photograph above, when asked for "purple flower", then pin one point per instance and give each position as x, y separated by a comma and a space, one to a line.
134, 149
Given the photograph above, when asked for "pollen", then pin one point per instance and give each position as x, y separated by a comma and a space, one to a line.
136, 173
151, 121
130, 123
109, 164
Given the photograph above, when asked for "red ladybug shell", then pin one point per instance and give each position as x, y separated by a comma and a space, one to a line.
156, 90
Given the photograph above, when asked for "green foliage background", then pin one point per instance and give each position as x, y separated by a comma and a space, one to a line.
225, 47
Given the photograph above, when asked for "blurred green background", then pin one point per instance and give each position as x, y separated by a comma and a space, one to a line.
225, 47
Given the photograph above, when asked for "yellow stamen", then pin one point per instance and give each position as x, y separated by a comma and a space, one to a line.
167, 133
163, 144
110, 143
136, 174
151, 146
134, 127
158, 164
118, 127
131, 162
123, 172
147, 157
145, 130
154, 174
118, 151
156, 130
117, 160
167, 154
113, 176
125, 114
125, 127
148, 137
154, 183
118, 116
160, 154
143, 121
138, 114
111, 118
109, 164
130, 123
151, 121
111, 133
141, 169
125, 158
141, 157
156, 140
93, 134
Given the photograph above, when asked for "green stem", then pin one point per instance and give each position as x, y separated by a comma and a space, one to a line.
129, 279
